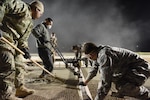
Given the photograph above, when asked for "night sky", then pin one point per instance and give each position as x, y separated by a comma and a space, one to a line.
121, 23
138, 12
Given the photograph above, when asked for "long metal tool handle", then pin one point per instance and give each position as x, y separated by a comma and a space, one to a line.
58, 52
42, 68
5, 40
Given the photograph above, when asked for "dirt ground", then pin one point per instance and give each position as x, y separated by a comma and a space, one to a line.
51, 89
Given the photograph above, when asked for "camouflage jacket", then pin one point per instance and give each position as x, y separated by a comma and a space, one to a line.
16, 22
41, 31
53, 41
115, 63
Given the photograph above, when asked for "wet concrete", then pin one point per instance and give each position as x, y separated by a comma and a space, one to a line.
48, 88
52, 89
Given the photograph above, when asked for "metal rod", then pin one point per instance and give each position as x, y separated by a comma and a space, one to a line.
59, 53
5, 40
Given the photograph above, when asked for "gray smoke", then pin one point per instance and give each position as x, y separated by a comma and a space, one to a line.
79, 21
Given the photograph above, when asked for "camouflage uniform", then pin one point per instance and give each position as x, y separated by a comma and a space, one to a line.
15, 16
123, 67
53, 40
44, 46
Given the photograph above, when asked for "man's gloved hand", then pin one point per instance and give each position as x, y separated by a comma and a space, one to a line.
82, 84
41, 40
27, 54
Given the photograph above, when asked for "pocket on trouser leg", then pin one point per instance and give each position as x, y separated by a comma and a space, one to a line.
6, 74
6, 62
5, 90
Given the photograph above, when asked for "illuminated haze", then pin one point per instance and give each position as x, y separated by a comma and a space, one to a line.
79, 21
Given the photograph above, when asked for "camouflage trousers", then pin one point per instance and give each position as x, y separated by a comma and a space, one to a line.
131, 90
11, 73
132, 85
128, 89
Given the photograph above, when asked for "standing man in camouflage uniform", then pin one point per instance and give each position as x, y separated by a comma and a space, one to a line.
53, 40
16, 18
43, 44
122, 67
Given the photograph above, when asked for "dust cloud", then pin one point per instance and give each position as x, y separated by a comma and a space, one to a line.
79, 21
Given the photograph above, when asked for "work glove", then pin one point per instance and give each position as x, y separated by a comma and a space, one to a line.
82, 84
41, 40
27, 54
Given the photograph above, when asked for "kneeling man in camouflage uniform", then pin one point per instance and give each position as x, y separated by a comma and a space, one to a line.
122, 67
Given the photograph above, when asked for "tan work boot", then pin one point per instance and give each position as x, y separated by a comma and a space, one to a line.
41, 76
13, 97
22, 91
